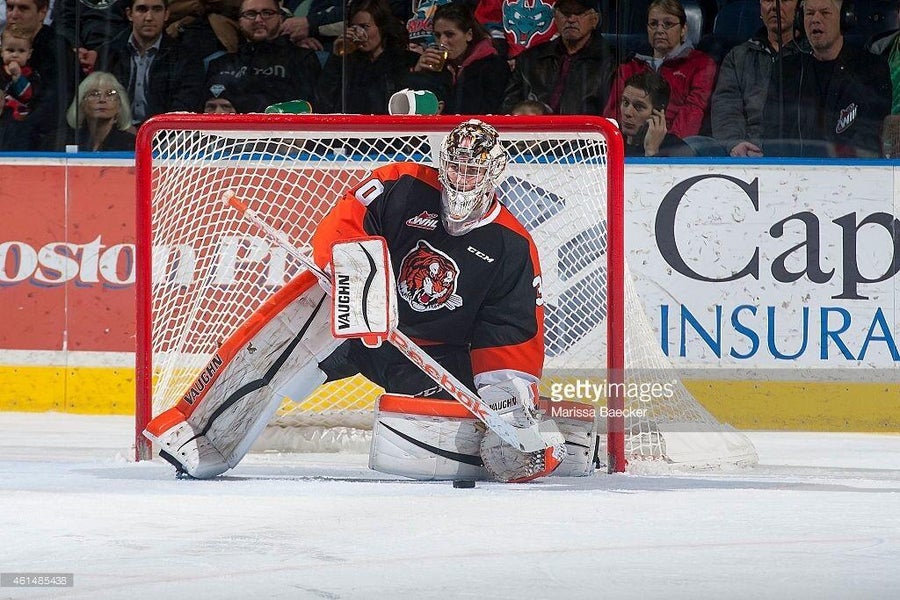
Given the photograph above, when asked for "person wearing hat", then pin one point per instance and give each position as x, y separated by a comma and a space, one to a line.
571, 74
223, 96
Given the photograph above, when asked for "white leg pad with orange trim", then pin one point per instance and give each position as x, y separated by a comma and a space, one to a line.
180, 445
426, 439
274, 355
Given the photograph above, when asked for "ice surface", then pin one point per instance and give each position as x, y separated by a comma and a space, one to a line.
818, 518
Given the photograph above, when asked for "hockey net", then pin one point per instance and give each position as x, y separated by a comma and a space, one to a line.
203, 271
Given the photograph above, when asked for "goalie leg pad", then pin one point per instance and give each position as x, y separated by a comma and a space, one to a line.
210, 442
205, 454
426, 439
273, 355
180, 445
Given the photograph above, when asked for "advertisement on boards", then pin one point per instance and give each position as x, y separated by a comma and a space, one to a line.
745, 273
768, 267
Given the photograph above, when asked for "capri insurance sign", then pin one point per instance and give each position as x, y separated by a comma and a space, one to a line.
770, 266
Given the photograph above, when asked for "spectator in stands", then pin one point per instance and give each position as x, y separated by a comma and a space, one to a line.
887, 45
314, 22
222, 96
420, 26
17, 78
571, 74
690, 73
19, 89
98, 22
530, 107
479, 73
643, 124
378, 67
833, 100
100, 118
269, 68
159, 74
219, 105
52, 58
208, 27
744, 76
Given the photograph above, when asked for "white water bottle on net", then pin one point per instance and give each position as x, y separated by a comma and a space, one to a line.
203, 270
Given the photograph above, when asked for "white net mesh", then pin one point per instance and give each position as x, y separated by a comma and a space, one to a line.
211, 270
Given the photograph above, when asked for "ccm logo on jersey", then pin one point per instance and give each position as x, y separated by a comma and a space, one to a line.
480, 254
426, 220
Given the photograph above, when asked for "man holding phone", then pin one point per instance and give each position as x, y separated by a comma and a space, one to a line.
643, 108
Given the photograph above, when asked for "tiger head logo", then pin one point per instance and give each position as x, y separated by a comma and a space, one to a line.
427, 279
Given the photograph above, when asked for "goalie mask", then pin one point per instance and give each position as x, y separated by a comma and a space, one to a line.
471, 161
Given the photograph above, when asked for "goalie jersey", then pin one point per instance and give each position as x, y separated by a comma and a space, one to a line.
479, 291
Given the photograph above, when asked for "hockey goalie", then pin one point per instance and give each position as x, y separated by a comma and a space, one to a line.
466, 301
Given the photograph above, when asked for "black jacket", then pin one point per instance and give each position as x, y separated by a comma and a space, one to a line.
175, 77
116, 141
53, 59
739, 99
269, 72
479, 87
846, 122
587, 85
95, 26
370, 84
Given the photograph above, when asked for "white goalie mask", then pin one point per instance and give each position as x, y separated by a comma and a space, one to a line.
471, 161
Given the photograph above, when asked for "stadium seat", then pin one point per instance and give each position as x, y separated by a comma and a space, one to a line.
735, 22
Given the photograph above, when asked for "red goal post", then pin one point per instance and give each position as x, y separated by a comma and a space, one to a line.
201, 272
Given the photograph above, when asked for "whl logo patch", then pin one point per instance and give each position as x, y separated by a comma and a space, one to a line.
848, 115
426, 220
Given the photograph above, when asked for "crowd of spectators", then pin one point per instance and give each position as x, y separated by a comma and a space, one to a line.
89, 72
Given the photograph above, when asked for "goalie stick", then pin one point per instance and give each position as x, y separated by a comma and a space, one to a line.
527, 440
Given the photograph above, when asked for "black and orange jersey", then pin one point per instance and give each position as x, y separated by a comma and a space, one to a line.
480, 290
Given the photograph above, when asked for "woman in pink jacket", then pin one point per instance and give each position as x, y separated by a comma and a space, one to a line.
691, 74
